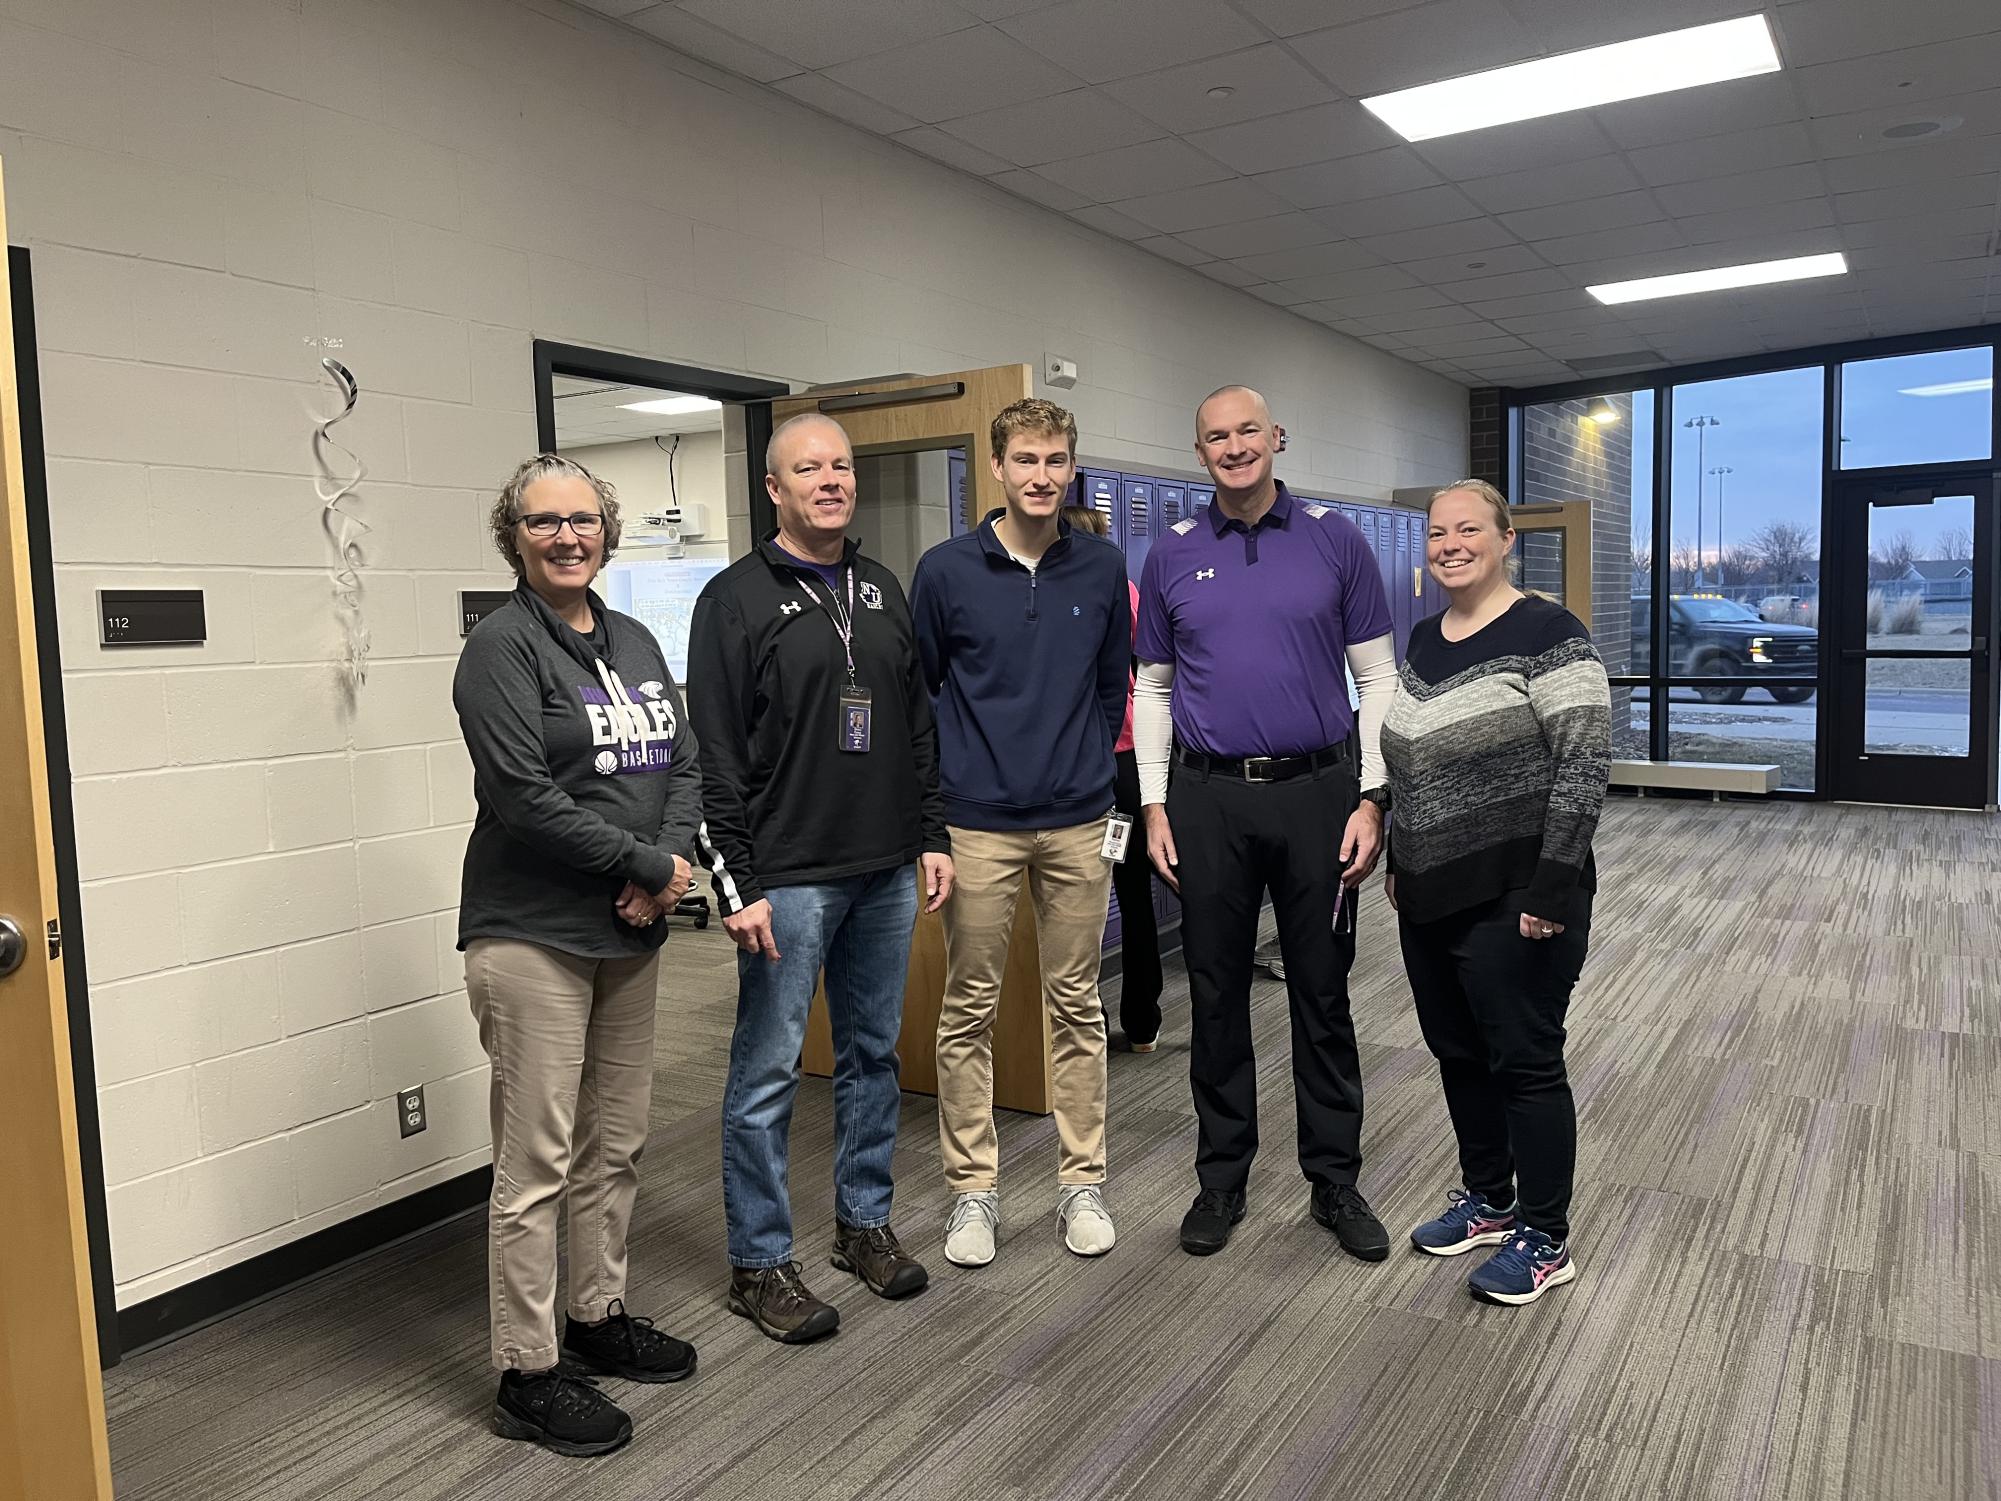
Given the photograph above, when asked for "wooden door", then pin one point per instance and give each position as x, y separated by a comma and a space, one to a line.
51, 1398
915, 414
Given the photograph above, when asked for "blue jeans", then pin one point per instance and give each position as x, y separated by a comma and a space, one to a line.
859, 929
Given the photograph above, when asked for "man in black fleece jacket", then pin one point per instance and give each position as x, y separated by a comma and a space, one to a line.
820, 790
1025, 630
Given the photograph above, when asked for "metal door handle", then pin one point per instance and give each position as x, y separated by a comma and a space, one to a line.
13, 946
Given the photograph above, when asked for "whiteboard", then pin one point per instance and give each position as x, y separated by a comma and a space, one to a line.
661, 592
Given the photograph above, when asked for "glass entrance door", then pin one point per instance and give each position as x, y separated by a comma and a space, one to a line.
1914, 680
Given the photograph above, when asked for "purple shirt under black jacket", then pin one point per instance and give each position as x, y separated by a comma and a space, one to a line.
1256, 623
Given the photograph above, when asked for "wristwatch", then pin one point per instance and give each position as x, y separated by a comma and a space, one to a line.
1380, 796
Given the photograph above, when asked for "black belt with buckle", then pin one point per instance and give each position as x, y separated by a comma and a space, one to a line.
1262, 768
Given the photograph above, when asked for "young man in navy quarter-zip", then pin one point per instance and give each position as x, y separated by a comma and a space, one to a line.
1024, 637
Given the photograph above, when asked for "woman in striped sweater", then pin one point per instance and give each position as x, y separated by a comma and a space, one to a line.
1497, 745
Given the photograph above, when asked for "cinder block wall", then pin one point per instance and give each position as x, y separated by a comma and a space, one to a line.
209, 187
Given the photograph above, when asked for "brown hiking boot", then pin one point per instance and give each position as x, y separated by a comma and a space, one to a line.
777, 1300
878, 1259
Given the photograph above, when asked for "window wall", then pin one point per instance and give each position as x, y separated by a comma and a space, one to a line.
1707, 600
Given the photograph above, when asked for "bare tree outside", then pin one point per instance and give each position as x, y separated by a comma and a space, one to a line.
1785, 550
1683, 565
1955, 545
1894, 558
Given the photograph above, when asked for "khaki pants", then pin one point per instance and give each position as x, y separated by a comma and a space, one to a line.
1069, 883
571, 1041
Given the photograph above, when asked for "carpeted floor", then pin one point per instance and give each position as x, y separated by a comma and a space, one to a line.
1787, 1059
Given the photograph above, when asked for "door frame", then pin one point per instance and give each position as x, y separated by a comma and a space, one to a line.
52, 1433
1572, 518
1914, 781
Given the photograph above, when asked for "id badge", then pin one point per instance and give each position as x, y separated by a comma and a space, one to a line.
857, 709
1118, 833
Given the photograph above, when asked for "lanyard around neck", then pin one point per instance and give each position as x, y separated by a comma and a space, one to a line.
844, 622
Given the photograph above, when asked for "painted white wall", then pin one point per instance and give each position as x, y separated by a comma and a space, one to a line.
639, 471
208, 186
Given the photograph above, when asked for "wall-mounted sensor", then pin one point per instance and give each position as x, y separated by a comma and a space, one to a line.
1059, 372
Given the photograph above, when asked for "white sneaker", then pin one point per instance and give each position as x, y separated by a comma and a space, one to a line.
969, 1233
1086, 1223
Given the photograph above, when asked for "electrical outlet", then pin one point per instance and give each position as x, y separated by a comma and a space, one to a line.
410, 1117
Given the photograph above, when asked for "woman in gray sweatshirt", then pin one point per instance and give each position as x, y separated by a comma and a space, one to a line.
589, 795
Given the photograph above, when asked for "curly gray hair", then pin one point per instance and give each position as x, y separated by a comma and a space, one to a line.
507, 509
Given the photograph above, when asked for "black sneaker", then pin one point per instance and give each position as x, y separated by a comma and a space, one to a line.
625, 1346
776, 1299
1205, 1229
559, 1410
878, 1258
1342, 1209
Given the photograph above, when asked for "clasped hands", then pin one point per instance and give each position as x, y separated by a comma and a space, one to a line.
642, 908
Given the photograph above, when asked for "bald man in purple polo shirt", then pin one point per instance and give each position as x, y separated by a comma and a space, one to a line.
1249, 613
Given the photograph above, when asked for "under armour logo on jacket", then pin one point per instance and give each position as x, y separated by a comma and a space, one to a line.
792, 608
1205, 573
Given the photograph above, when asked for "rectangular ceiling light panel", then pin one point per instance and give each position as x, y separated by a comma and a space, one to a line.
1580, 80
1721, 278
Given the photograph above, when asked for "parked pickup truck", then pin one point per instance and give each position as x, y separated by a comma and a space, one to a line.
1713, 637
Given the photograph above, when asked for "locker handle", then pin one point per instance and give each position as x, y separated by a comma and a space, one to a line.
1417, 583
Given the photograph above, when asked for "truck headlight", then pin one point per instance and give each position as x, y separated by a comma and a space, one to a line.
1758, 649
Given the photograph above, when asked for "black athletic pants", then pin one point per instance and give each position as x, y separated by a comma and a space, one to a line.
1492, 1005
1139, 933
1236, 840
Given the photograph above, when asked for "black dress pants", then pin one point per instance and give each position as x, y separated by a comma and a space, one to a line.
1139, 932
1492, 1005
1236, 841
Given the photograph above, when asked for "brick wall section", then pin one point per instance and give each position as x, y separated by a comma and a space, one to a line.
269, 867
1488, 448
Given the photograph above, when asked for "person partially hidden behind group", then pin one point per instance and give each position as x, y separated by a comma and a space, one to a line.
588, 791
1140, 977
1498, 743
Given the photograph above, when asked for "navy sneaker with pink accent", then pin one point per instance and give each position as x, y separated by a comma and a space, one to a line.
1528, 1266
1468, 1221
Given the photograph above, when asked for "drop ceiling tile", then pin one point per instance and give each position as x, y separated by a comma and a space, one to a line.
1539, 187
1956, 155
616, 8
1614, 211
1229, 274
1169, 248
1860, 131
1311, 260
1570, 25
1298, 138
1110, 221
1633, 239
1202, 207
1039, 189
1727, 108
697, 38
1891, 79
1537, 305
1373, 174
1919, 236
1417, 209
962, 73
1278, 296
1538, 327
1451, 316
1917, 199
1100, 40
1515, 284
1713, 195
830, 98
1291, 17
1137, 171
830, 31
1442, 270
1747, 223
1258, 236
1358, 283
1000, 10
1722, 155
1815, 32
1048, 130
1372, 304
1550, 142
1263, 81
1423, 44
952, 151
1468, 239
1461, 349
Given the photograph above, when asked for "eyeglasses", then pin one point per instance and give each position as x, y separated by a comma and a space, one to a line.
548, 523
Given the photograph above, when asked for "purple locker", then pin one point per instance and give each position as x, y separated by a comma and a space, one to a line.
1101, 492
1170, 504
1134, 529
1400, 591
1199, 497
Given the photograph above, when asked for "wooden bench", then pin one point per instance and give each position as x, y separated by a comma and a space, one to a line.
1713, 777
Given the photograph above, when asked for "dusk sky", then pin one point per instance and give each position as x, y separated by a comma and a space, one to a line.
1768, 435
